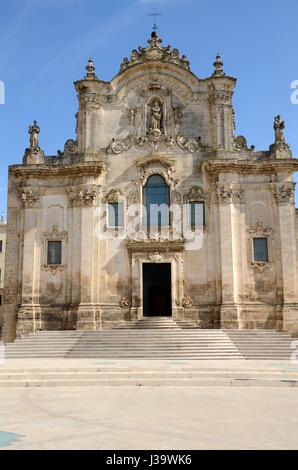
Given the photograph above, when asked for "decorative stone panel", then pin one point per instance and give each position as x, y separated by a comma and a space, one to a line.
284, 193
30, 197
82, 196
157, 165
228, 193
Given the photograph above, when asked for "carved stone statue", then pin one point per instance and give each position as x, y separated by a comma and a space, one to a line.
170, 121
34, 131
279, 127
178, 116
156, 116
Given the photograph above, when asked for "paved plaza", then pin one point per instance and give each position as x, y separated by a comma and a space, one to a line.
149, 418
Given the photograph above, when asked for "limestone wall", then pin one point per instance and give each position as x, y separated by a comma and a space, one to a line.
247, 194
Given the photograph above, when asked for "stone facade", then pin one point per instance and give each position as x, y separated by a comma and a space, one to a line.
2, 265
154, 118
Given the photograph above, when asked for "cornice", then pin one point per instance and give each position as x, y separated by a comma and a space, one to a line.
248, 166
48, 171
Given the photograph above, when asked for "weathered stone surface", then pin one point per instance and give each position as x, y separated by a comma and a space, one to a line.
154, 117
2, 266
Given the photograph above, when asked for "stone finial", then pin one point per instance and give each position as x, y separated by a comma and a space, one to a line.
90, 70
218, 65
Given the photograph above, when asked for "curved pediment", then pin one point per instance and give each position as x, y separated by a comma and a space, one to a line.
157, 165
154, 160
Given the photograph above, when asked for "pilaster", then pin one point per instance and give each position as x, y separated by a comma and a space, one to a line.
284, 198
224, 115
83, 200
229, 200
89, 125
29, 314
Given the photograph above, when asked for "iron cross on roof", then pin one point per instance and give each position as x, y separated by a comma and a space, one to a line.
155, 14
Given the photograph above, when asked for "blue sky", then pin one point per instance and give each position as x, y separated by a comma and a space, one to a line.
45, 44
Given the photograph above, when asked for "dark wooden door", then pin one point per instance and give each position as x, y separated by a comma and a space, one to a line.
157, 298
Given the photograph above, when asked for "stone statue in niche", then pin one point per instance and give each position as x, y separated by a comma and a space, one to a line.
156, 116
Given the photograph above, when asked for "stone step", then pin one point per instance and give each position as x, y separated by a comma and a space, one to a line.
155, 344
151, 343
113, 347
152, 381
138, 375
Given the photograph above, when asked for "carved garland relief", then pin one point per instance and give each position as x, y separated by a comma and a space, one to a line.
82, 196
30, 197
228, 192
284, 193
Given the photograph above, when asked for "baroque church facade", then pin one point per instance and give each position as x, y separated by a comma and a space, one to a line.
86, 247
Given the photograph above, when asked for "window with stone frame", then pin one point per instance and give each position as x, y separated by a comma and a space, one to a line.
260, 249
196, 200
196, 214
54, 254
115, 214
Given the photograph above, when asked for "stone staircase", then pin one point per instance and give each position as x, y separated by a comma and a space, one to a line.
150, 323
261, 344
154, 339
159, 323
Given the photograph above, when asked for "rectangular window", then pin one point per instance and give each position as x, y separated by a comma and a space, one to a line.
116, 214
54, 252
261, 249
1, 246
197, 214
